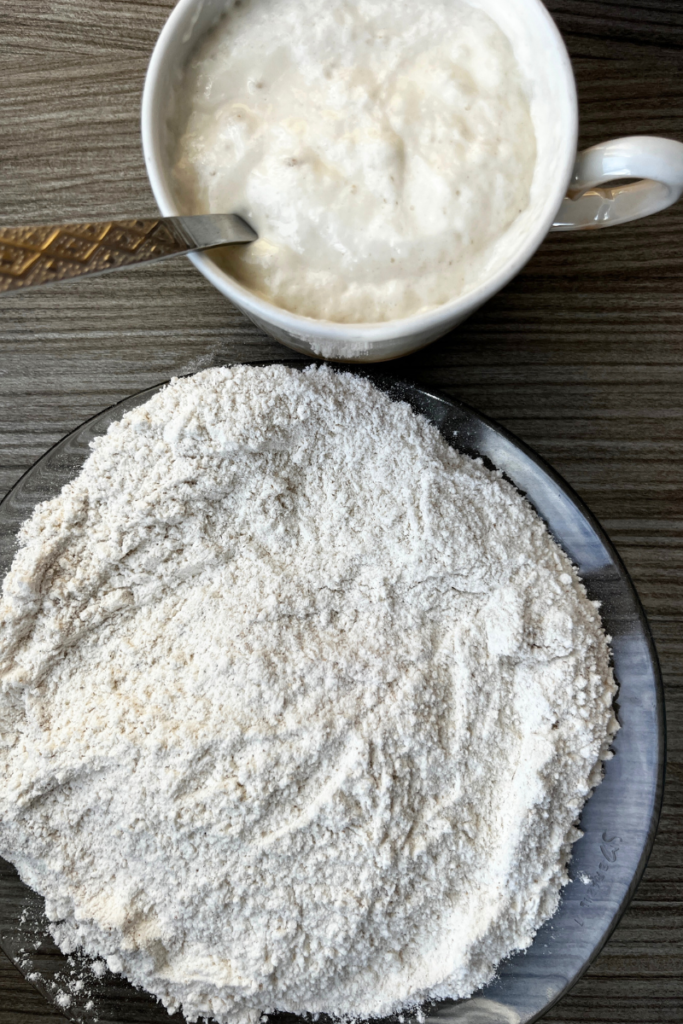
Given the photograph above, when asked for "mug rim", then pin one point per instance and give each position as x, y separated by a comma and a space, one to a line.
306, 328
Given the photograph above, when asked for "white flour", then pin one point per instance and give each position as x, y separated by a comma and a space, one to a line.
299, 705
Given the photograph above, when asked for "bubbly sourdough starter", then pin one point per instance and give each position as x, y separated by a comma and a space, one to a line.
380, 149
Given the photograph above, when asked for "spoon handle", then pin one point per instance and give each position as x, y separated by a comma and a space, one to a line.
31, 256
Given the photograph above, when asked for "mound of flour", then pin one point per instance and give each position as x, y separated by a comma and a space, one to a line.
299, 705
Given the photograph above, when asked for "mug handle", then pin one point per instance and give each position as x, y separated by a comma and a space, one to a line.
659, 162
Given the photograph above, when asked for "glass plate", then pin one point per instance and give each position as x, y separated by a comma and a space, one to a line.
619, 822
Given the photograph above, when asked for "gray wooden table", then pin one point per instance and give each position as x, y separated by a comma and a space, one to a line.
582, 355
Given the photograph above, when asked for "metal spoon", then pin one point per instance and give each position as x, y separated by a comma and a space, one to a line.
42, 255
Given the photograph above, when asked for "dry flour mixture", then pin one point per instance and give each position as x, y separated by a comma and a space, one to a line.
299, 705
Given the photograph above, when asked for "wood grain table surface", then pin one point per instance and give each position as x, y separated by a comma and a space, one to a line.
581, 356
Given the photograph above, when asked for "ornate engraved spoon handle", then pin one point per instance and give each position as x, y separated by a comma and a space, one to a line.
32, 256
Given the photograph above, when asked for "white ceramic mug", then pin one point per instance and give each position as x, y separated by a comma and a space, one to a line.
565, 193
